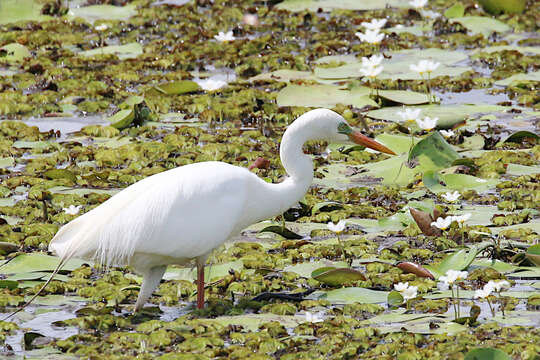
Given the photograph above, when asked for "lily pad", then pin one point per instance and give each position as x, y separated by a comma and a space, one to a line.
13, 53
532, 76
458, 260
306, 269
328, 5
60, 174
404, 97
439, 183
455, 11
351, 295
435, 149
482, 25
533, 254
283, 231
12, 11
284, 75
103, 12
519, 136
487, 354
38, 262
127, 51
326, 96
122, 119
337, 276
395, 298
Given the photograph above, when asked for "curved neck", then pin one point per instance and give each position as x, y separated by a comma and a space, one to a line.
298, 165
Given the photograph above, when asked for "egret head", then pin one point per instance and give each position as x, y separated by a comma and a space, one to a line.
332, 127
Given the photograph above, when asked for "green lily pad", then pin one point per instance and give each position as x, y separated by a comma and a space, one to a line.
126, 51
6, 162
178, 87
306, 269
353, 295
482, 25
8, 284
81, 191
36, 275
337, 276
22, 144
519, 170
439, 183
518, 136
455, 11
328, 5
122, 119
12, 11
284, 75
458, 260
38, 262
60, 174
496, 7
522, 272
326, 96
528, 50
103, 12
487, 354
405, 97
449, 115
533, 254
532, 76
14, 52
326, 206
283, 231
435, 149
394, 298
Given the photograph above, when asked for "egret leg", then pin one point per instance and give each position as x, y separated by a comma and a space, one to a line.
200, 285
150, 281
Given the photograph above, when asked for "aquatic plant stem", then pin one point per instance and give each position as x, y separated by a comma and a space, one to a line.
502, 304
490, 307
454, 301
458, 302
428, 86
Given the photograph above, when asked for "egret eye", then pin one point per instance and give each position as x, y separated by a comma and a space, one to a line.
343, 128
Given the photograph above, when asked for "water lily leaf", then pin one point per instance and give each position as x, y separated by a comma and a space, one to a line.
326, 206
57, 300
435, 149
394, 298
127, 51
178, 87
211, 272
496, 7
326, 96
405, 97
283, 231
518, 136
284, 75
6, 162
14, 52
122, 119
530, 50
328, 5
103, 12
449, 115
533, 254
455, 11
487, 354
337, 277
523, 273
23, 144
8, 284
81, 191
475, 142
416, 269
458, 260
348, 59
519, 78
12, 11
60, 174
36, 275
482, 25
417, 30
352, 295
306, 269
38, 262
438, 183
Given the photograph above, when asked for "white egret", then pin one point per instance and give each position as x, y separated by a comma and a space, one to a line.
182, 214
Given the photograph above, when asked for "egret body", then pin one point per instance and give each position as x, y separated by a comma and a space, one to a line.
182, 214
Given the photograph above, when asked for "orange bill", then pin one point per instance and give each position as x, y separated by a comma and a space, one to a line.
363, 140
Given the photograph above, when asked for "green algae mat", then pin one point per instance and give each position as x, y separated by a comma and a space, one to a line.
436, 255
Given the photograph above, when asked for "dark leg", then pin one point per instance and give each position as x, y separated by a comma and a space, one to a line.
200, 285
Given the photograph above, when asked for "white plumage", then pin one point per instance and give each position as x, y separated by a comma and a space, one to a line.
184, 213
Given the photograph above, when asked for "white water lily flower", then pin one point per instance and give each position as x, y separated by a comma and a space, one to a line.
410, 293
497, 286
451, 196
447, 133
409, 114
337, 228
424, 67
72, 209
452, 276
371, 72
482, 293
371, 36
314, 318
418, 4
461, 218
211, 84
428, 123
228, 36
401, 286
372, 61
374, 24
441, 223
101, 27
